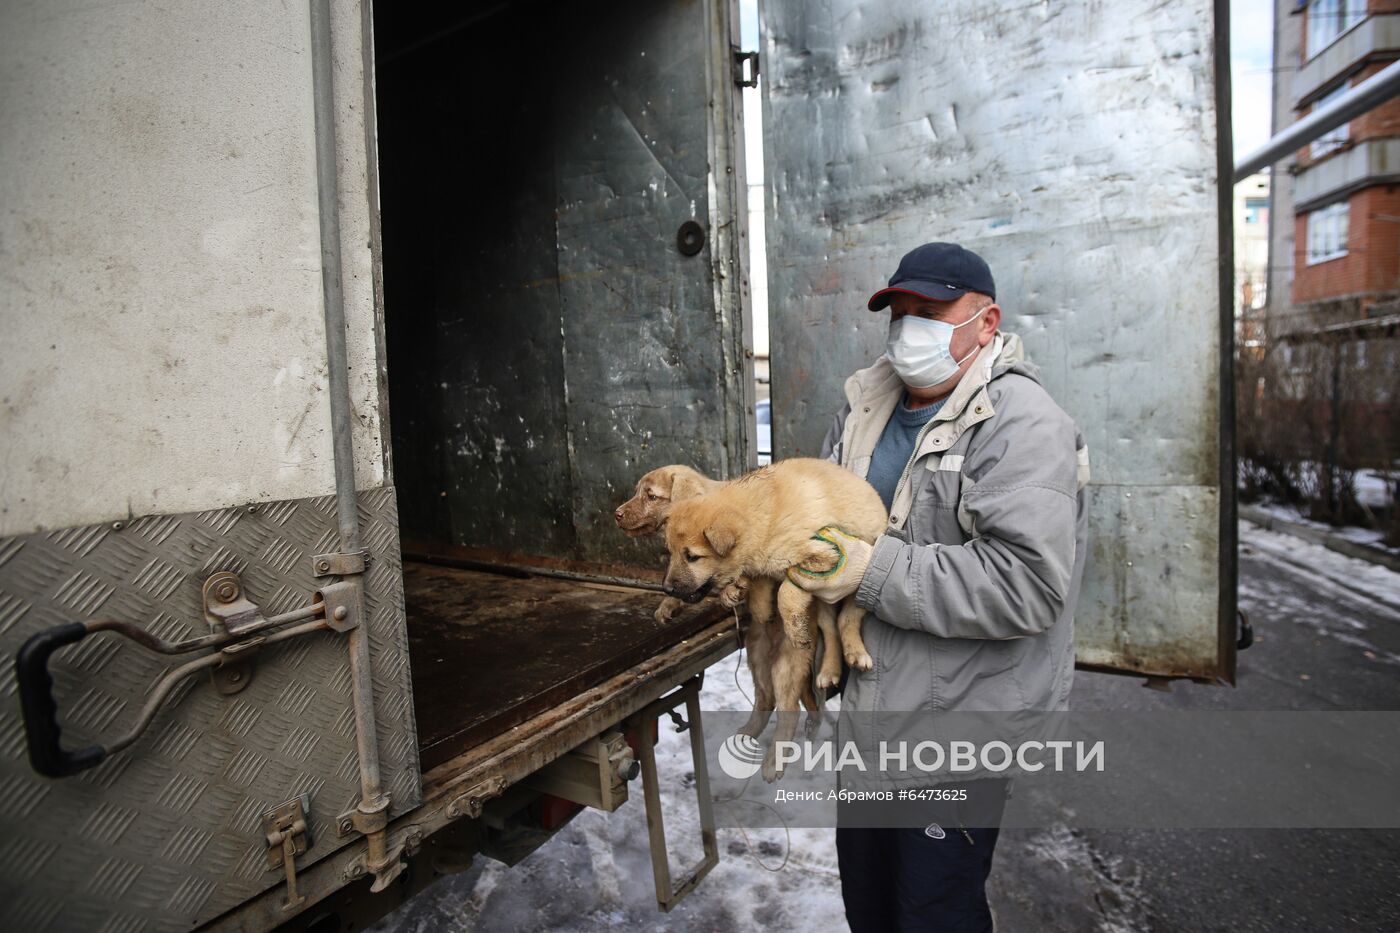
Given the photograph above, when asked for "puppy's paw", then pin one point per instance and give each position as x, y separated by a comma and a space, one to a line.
814, 724
771, 771
733, 595
827, 679
667, 610
860, 660
758, 721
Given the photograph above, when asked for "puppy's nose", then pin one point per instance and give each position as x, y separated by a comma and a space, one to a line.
618, 516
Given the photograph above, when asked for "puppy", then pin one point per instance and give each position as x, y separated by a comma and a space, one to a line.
756, 528
645, 514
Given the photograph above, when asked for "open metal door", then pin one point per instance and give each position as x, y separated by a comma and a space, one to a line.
1083, 150
180, 505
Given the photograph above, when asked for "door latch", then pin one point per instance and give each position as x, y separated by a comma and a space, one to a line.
745, 76
287, 837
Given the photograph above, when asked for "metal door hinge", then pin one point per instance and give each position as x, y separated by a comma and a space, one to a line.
745, 77
471, 803
287, 837
339, 565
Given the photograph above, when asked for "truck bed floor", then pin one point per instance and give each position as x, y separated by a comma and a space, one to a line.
489, 650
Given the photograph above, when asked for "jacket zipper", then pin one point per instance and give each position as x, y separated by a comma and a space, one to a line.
908, 467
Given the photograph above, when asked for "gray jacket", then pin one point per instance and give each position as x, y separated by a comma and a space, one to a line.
973, 586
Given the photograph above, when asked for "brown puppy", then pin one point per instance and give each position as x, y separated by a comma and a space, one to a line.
645, 514
756, 528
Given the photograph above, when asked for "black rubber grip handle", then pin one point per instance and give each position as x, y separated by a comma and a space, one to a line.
36, 700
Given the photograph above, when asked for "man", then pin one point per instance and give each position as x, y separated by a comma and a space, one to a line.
972, 589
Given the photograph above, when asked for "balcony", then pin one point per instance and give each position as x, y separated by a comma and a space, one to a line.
1377, 34
1370, 162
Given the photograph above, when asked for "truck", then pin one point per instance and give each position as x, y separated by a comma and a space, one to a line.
333, 334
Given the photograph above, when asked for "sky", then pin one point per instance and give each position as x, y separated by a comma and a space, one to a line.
1251, 61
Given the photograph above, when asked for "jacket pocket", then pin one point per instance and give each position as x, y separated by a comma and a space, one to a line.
933, 513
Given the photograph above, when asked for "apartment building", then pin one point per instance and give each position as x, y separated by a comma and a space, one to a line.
1251, 211
1339, 263
1320, 391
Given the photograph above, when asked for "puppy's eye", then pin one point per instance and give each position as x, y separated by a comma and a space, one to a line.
651, 496
691, 558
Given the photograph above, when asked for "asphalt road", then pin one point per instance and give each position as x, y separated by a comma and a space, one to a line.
1326, 639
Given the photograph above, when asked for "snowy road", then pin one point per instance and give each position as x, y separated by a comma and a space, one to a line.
1328, 637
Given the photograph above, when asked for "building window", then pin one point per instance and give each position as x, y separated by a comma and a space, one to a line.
1334, 139
1328, 19
1327, 232
1256, 210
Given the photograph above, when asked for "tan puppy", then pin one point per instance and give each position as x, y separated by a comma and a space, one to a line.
759, 526
645, 514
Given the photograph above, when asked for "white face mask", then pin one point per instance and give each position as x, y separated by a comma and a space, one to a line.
921, 350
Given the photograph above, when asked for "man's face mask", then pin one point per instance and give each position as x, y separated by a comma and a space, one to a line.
921, 350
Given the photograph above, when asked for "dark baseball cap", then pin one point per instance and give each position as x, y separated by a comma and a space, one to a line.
939, 272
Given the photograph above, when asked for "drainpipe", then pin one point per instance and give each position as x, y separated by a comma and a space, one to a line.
1367, 95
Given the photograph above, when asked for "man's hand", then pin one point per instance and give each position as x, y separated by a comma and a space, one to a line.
834, 563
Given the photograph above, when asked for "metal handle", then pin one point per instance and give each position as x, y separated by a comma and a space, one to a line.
41, 728
1245, 638
42, 732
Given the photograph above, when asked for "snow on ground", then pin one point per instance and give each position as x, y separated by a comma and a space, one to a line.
596, 873
1333, 574
1375, 490
1368, 536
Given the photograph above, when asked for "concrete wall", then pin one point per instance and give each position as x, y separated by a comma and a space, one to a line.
161, 303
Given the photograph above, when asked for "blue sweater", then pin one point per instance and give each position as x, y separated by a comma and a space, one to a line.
896, 446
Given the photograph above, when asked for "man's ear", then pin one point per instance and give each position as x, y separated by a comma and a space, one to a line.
991, 321
722, 537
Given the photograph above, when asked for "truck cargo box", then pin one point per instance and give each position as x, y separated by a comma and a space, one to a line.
333, 337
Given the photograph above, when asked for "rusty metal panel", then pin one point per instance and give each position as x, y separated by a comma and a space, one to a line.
167, 834
561, 342
1075, 148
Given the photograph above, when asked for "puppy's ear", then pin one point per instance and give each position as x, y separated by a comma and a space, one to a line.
722, 536
685, 485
